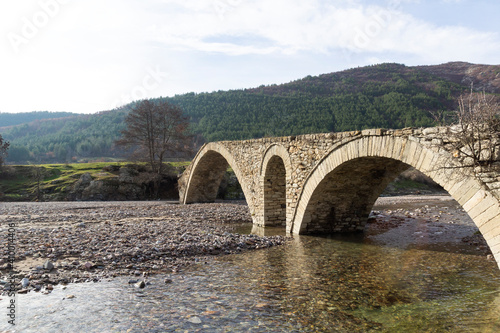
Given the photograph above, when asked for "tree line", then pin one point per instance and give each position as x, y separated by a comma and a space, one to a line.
12, 119
382, 96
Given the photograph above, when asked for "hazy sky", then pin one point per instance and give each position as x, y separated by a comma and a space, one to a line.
94, 55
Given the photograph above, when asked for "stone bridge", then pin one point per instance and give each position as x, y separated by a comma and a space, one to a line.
325, 183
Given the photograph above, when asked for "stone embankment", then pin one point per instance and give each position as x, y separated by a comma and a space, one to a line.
90, 241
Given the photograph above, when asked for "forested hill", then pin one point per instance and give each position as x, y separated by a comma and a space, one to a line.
12, 119
386, 95
68, 139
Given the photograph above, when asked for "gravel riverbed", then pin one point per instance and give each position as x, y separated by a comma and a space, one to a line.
431, 221
65, 242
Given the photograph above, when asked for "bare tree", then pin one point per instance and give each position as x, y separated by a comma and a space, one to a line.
475, 131
155, 129
4, 147
37, 174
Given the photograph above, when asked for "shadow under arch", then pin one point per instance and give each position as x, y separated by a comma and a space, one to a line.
340, 191
276, 178
206, 173
342, 201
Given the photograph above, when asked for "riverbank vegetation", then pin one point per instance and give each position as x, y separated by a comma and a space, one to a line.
59, 182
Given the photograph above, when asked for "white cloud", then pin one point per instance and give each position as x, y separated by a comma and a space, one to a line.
96, 51
314, 26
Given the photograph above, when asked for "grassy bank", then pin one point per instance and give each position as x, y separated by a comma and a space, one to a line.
54, 181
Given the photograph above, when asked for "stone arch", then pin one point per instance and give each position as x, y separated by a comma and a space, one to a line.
206, 172
275, 175
374, 161
277, 150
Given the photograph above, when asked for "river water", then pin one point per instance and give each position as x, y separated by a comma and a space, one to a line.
358, 283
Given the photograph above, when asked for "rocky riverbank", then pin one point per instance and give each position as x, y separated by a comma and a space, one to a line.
66, 242
430, 221
59, 243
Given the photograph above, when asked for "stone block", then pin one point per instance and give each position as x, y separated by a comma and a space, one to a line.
481, 207
469, 189
491, 234
427, 166
409, 153
476, 199
430, 130
488, 215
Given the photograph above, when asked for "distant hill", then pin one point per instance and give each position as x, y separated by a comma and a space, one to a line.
385, 95
67, 139
482, 77
12, 119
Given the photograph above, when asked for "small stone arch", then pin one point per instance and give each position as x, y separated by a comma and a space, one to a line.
276, 150
206, 172
382, 158
275, 178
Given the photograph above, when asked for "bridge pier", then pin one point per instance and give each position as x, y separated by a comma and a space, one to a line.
275, 193
326, 183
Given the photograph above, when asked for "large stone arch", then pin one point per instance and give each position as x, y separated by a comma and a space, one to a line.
276, 176
360, 162
206, 172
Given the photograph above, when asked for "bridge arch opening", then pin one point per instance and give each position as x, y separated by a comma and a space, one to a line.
206, 178
275, 192
343, 199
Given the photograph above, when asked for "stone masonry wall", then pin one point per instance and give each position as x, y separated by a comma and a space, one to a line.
305, 151
260, 164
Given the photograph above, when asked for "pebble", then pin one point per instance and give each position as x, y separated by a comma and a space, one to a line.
25, 282
262, 305
88, 265
48, 265
140, 284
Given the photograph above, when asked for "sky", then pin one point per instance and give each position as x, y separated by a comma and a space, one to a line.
87, 56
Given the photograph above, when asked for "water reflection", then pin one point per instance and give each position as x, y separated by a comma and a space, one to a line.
348, 284
310, 284
353, 286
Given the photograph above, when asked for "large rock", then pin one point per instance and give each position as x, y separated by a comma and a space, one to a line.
48, 265
80, 185
95, 191
132, 182
128, 175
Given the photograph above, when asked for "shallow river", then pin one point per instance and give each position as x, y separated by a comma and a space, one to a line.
312, 284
